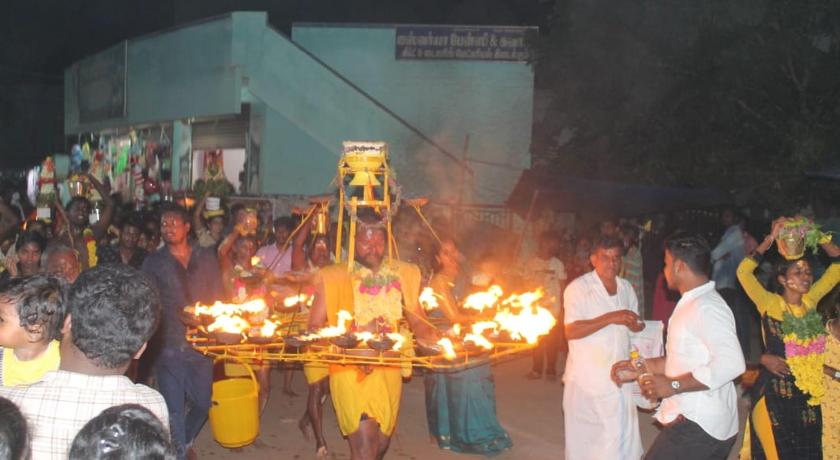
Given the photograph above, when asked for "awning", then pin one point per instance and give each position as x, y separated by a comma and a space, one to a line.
604, 198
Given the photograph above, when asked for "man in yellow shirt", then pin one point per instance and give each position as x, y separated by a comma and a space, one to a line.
31, 314
375, 291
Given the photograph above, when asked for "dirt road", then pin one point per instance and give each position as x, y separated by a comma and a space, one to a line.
531, 411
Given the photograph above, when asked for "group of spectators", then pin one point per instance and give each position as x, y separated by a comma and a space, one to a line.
82, 301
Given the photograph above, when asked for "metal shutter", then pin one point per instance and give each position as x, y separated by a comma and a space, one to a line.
221, 133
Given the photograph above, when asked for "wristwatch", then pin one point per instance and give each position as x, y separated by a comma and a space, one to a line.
837, 375
675, 384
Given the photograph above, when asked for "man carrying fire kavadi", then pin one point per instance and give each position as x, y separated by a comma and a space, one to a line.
376, 290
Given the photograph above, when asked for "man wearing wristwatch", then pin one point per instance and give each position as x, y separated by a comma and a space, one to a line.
699, 409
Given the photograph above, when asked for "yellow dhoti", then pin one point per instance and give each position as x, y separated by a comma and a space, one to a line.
315, 372
376, 395
355, 393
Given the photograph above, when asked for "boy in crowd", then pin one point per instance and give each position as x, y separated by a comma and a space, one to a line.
112, 311
31, 315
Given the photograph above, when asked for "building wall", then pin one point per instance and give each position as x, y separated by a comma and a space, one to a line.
314, 110
302, 108
187, 72
492, 102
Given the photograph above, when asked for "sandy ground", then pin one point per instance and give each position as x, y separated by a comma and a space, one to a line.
531, 411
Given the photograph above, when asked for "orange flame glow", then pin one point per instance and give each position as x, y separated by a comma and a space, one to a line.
481, 326
428, 299
479, 340
230, 324
268, 328
334, 331
484, 299
529, 324
303, 299
398, 340
448, 348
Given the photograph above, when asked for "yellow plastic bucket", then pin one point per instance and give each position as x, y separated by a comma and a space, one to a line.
235, 413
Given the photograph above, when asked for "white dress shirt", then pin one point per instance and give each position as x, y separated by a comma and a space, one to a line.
702, 342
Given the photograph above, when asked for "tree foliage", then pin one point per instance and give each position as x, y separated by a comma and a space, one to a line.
742, 95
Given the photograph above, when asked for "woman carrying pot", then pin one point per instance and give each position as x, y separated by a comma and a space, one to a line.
786, 422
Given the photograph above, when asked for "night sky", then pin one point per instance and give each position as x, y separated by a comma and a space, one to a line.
38, 39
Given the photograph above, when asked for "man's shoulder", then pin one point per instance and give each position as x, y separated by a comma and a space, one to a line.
404, 267
334, 272
156, 255
145, 393
623, 283
580, 282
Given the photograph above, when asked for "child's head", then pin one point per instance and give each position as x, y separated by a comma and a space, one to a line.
113, 311
129, 431
14, 435
32, 310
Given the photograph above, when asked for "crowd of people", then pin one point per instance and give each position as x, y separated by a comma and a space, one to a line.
95, 359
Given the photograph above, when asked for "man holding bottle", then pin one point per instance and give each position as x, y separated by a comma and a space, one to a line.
699, 409
601, 310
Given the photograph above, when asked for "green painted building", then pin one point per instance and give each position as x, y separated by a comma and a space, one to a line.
285, 105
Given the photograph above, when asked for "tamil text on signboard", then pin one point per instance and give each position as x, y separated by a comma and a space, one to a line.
481, 43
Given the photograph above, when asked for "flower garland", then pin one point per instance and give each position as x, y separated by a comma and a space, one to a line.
90, 243
805, 229
379, 295
805, 352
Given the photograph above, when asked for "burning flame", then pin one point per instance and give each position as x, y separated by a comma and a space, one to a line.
448, 348
484, 299
231, 309
530, 323
524, 300
479, 340
298, 299
398, 340
456, 329
230, 324
481, 326
364, 336
428, 299
334, 331
268, 328
255, 261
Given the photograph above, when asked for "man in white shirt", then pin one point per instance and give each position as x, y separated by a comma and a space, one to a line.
112, 311
699, 410
600, 312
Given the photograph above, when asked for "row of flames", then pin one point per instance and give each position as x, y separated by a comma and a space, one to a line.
249, 318
518, 315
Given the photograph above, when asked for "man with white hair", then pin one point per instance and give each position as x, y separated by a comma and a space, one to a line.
62, 261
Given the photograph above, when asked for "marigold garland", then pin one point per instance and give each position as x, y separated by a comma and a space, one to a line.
369, 303
804, 339
90, 243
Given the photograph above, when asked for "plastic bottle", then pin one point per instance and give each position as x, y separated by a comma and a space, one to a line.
640, 365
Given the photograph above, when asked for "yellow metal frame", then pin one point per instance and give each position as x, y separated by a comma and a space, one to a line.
279, 352
384, 175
